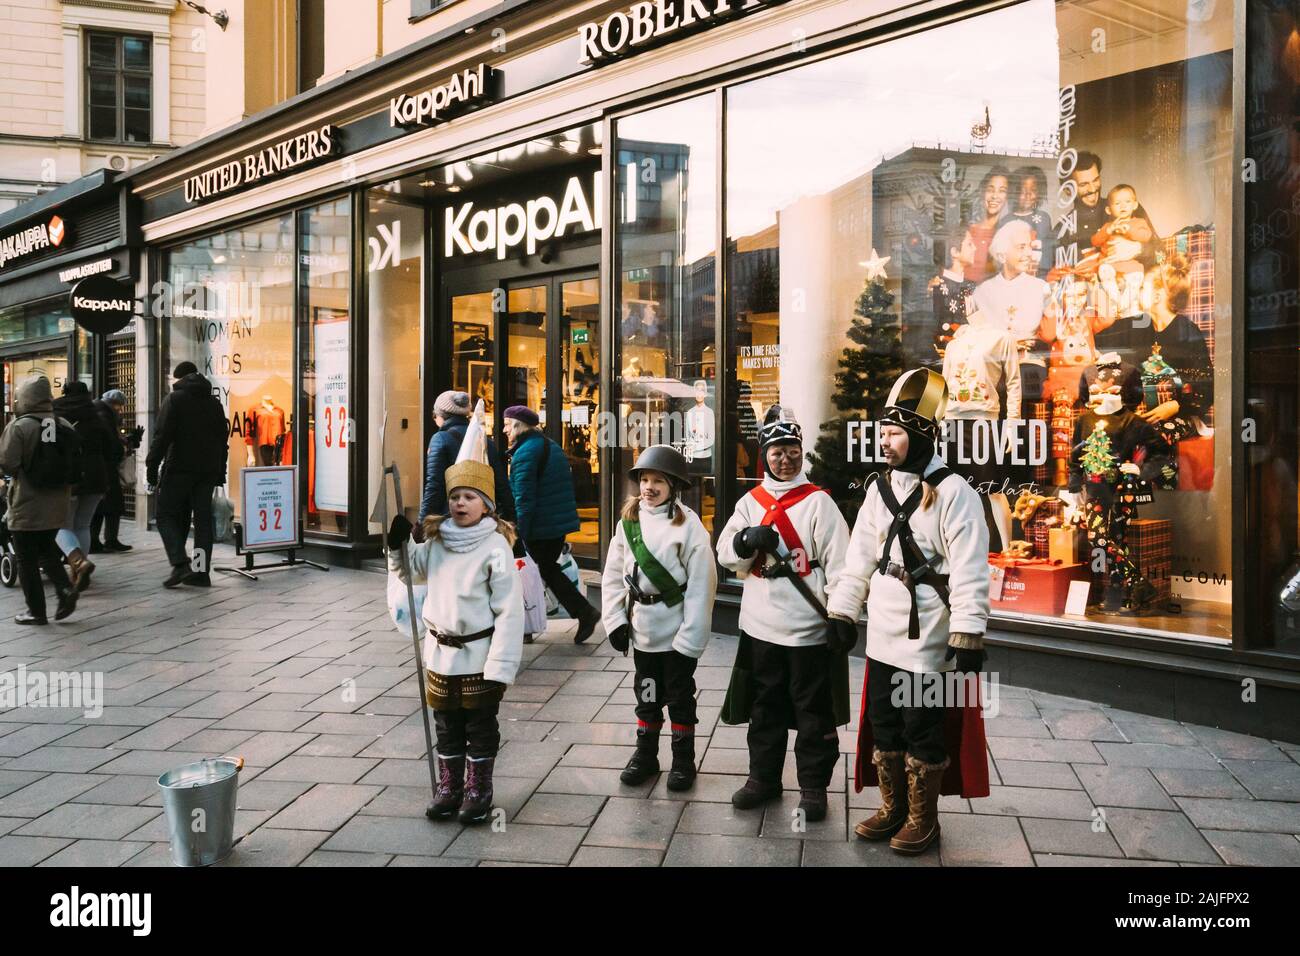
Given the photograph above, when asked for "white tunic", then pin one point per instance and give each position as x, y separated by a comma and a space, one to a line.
770, 608
953, 528
1014, 306
469, 592
686, 553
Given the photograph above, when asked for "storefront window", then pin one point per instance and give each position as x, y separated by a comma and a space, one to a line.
665, 327
1272, 280
324, 323
395, 285
1046, 223
230, 312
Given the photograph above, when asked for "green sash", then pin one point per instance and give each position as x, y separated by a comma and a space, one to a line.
647, 562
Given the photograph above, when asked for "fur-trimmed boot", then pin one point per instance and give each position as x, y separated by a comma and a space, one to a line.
645, 761
451, 788
478, 790
892, 814
681, 776
922, 826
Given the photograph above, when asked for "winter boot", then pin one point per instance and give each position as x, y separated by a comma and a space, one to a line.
81, 568
645, 761
586, 625
754, 794
177, 576
112, 526
681, 776
891, 816
478, 790
922, 826
451, 788
813, 805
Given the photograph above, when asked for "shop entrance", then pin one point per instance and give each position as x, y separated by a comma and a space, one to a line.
17, 366
512, 340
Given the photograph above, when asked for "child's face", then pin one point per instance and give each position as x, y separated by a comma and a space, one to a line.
1028, 199
1076, 295
466, 507
966, 253
654, 488
1123, 203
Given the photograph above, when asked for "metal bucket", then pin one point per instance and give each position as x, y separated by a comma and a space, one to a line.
199, 799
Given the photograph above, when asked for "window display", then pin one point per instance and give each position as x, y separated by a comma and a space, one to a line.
1050, 238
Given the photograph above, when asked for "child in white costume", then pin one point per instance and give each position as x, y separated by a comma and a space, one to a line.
657, 593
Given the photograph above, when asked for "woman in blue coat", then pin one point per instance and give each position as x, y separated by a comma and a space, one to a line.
451, 414
545, 509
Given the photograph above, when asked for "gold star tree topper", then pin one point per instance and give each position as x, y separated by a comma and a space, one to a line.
875, 266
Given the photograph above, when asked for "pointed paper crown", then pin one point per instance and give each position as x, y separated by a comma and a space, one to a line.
917, 402
471, 469
779, 425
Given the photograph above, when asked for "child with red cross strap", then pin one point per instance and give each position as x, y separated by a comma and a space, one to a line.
786, 541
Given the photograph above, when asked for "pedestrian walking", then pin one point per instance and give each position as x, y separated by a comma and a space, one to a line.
97, 447
105, 527
786, 541
186, 462
546, 509
451, 414
474, 621
657, 591
919, 557
41, 454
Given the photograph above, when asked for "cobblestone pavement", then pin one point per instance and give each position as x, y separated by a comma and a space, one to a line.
303, 675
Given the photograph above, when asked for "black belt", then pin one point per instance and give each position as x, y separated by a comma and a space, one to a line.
640, 597
451, 640
933, 579
759, 572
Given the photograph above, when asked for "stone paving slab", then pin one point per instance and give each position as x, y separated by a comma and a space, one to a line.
316, 694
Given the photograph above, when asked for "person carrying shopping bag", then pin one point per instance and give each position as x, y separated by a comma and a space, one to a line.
657, 592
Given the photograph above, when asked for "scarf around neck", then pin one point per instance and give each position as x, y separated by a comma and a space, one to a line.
778, 488
460, 539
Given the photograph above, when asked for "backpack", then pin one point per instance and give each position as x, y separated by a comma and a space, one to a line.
55, 464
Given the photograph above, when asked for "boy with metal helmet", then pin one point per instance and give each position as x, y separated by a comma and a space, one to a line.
919, 557
786, 541
657, 593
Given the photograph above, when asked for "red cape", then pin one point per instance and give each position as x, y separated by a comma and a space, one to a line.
967, 774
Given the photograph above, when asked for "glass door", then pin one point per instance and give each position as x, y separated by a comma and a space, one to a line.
18, 368
578, 299
473, 349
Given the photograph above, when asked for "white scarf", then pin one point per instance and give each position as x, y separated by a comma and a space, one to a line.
460, 539
778, 488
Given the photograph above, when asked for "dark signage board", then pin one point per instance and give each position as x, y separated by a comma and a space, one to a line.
102, 304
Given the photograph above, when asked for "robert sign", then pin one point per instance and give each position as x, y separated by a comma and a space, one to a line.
101, 304
539, 220
280, 158
652, 21
462, 92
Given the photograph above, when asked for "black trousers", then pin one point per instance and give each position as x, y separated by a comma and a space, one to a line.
665, 678
917, 730
33, 550
547, 555
792, 687
473, 731
183, 499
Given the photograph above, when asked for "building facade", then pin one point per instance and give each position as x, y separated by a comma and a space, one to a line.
653, 221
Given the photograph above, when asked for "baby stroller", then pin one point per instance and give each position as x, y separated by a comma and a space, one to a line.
8, 559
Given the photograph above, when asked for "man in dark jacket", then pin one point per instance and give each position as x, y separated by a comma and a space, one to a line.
546, 509
451, 414
108, 517
96, 449
187, 460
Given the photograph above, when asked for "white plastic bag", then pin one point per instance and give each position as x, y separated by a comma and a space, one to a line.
399, 609
570, 568
534, 595
223, 516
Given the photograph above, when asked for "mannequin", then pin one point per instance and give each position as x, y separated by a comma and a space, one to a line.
976, 362
264, 435
699, 430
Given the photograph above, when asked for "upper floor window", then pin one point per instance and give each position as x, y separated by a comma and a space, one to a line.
119, 81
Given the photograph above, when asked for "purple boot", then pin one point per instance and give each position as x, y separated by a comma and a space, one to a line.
478, 790
451, 788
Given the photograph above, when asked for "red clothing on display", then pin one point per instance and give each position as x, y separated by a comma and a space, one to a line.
264, 425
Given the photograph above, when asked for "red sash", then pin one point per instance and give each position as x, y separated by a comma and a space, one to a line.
774, 512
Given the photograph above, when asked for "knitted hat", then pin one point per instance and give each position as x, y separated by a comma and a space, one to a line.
114, 396
185, 368
452, 402
471, 469
522, 413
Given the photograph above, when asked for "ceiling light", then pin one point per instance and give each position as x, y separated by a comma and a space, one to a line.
595, 150
453, 188
426, 183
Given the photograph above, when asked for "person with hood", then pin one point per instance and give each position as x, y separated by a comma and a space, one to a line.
97, 446
187, 461
657, 592
546, 509
108, 517
786, 542
451, 414
919, 558
38, 496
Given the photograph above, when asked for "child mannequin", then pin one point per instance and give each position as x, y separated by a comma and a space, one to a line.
657, 591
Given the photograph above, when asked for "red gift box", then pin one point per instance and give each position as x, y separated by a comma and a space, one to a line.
1196, 463
1034, 585
1151, 545
1046, 516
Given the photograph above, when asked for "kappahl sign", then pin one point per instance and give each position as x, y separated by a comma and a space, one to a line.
539, 220
101, 304
440, 103
652, 21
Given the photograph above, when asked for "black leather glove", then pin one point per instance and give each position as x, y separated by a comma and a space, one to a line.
968, 661
620, 638
519, 549
841, 636
398, 531
750, 541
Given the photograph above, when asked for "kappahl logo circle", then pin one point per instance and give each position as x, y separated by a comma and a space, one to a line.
58, 231
101, 304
